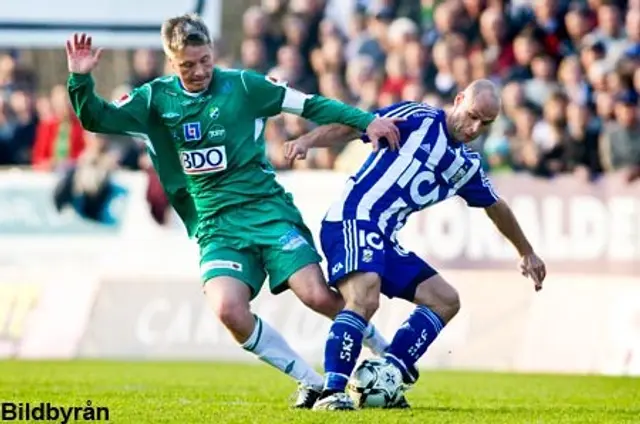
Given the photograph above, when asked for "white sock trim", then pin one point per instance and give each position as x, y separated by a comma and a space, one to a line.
254, 338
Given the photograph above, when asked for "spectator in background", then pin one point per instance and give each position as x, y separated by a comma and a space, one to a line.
395, 82
88, 187
550, 135
60, 139
525, 48
26, 122
548, 25
630, 45
362, 41
525, 155
572, 81
444, 83
610, 30
497, 52
290, 68
619, 144
253, 55
360, 71
578, 24
419, 69
7, 130
543, 83
257, 24
145, 67
7, 75
580, 156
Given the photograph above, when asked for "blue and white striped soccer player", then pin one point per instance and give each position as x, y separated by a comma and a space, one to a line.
358, 233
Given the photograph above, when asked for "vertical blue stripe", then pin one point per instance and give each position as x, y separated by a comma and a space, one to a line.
437, 154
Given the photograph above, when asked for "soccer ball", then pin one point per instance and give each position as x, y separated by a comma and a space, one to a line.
375, 384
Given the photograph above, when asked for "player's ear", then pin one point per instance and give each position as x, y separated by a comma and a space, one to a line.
173, 63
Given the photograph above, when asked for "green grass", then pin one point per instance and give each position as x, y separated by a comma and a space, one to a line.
217, 393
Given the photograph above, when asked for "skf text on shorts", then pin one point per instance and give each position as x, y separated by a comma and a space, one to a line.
45, 411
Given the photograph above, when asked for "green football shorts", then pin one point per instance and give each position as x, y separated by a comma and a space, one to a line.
256, 240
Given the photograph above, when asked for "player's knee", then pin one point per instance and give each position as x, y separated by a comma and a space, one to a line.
310, 287
450, 303
234, 314
230, 303
366, 306
439, 296
361, 293
322, 300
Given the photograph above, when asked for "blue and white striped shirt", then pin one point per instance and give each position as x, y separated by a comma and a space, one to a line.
429, 167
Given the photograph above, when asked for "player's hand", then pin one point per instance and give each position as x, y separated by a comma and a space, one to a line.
384, 128
81, 58
532, 266
295, 149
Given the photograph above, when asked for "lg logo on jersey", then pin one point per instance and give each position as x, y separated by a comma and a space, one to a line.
192, 131
204, 161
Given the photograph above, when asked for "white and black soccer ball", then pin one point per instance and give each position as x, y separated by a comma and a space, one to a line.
375, 384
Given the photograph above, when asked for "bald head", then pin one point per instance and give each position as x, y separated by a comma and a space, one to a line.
474, 110
484, 98
483, 88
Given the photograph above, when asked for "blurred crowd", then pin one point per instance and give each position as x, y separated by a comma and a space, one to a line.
40, 129
568, 72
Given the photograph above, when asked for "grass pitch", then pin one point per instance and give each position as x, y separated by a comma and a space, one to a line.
218, 393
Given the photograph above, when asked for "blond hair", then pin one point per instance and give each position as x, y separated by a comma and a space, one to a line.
182, 31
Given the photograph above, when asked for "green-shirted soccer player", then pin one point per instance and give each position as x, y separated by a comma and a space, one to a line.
205, 134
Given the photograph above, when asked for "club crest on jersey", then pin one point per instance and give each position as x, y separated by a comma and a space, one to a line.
214, 113
460, 174
218, 133
192, 131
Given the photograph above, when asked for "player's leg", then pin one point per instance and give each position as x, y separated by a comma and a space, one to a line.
293, 263
361, 291
310, 286
232, 279
299, 270
436, 301
355, 270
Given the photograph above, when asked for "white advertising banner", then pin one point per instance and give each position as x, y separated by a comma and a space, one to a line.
44, 314
149, 302
113, 23
577, 324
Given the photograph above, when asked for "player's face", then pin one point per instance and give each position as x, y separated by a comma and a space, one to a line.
194, 66
472, 116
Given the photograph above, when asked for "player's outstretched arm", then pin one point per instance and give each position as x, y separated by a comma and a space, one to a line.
505, 221
95, 113
324, 136
270, 97
322, 110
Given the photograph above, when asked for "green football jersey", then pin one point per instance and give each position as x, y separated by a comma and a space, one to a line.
216, 136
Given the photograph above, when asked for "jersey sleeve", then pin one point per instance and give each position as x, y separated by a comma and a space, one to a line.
270, 97
124, 116
478, 191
